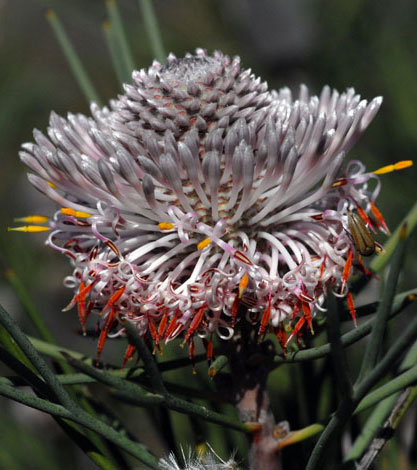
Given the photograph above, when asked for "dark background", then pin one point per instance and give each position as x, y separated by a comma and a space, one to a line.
361, 43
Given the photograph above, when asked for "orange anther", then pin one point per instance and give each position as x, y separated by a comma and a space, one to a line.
365, 218
351, 306
203, 244
114, 298
235, 309
264, 321
174, 328
165, 226
191, 349
281, 335
307, 315
82, 293
81, 306
379, 217
243, 284
162, 325
296, 329
73, 213
154, 335
195, 323
130, 350
104, 332
295, 311
346, 270
322, 266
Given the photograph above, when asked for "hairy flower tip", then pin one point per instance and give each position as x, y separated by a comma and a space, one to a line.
207, 461
200, 198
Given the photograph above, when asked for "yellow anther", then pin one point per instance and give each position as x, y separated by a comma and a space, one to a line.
52, 185
29, 229
243, 284
165, 226
74, 213
32, 219
203, 244
403, 164
395, 166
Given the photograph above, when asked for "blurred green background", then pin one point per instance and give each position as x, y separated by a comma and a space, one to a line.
361, 43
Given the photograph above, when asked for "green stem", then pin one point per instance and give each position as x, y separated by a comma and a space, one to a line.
152, 29
336, 423
10, 345
117, 382
35, 358
393, 386
108, 31
31, 378
379, 414
386, 396
380, 321
218, 365
390, 358
174, 364
185, 407
386, 399
84, 419
337, 352
34, 402
73, 60
149, 363
119, 35
397, 410
54, 352
30, 308
135, 394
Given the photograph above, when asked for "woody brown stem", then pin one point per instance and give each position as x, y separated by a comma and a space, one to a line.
263, 453
250, 364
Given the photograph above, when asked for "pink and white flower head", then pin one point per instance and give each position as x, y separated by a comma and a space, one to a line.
201, 199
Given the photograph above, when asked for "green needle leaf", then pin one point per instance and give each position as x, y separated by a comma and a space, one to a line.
108, 31
153, 31
149, 363
395, 385
336, 347
74, 61
34, 357
30, 307
134, 394
218, 365
380, 321
120, 41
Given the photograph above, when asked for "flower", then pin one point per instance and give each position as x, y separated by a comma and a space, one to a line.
200, 198
206, 460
